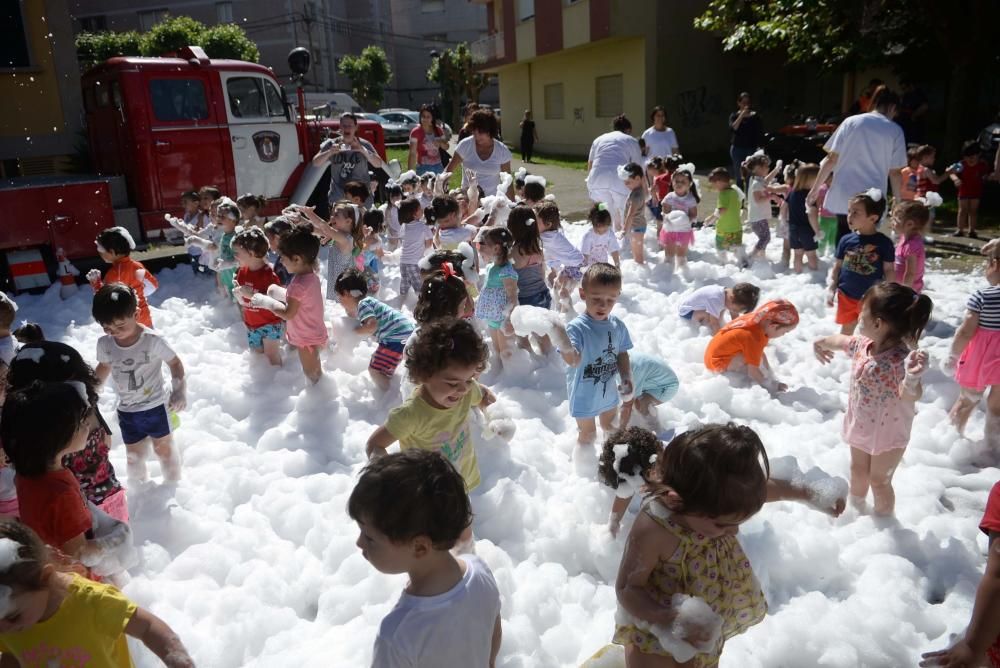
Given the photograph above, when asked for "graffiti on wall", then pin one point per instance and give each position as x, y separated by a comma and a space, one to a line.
697, 107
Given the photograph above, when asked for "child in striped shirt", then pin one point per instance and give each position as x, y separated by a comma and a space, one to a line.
390, 327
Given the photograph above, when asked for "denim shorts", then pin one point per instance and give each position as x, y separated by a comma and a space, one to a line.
256, 337
152, 422
542, 299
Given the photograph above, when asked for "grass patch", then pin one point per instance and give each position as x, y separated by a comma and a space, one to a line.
554, 159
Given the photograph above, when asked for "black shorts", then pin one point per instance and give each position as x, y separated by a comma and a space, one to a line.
802, 237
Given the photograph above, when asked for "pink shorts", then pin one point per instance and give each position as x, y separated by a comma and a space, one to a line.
979, 365
685, 238
116, 506
9, 508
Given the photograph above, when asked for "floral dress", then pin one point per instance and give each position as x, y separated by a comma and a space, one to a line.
877, 419
92, 469
492, 304
715, 570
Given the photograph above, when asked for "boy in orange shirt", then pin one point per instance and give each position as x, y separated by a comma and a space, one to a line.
114, 245
747, 336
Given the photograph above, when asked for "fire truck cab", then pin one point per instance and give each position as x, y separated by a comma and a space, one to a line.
158, 127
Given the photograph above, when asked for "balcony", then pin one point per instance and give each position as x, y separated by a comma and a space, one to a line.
488, 49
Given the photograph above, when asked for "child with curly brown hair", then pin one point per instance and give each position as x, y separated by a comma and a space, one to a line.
627, 460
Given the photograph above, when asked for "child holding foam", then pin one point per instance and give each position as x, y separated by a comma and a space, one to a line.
598, 371
133, 355
115, 245
627, 460
563, 258
264, 329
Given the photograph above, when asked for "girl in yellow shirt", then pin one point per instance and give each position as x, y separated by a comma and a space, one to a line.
49, 617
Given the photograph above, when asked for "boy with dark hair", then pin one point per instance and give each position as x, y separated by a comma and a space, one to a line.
534, 190
599, 354
264, 329
133, 355
411, 508
7, 311
390, 327
197, 220
968, 175
357, 192
115, 245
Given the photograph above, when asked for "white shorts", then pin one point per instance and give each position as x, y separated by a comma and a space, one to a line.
614, 199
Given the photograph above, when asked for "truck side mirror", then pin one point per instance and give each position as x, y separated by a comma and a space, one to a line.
299, 60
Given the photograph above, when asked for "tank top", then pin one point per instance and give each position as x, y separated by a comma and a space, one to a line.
531, 279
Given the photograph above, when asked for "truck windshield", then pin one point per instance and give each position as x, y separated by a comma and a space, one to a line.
178, 99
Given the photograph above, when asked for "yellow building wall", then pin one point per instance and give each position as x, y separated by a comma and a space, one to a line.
525, 39
33, 106
577, 70
576, 24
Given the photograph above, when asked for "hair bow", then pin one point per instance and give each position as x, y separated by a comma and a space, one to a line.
128, 236
931, 199
874, 194
408, 176
448, 269
469, 263
623, 173
534, 178
529, 222
520, 174
357, 293
602, 206
686, 167
759, 151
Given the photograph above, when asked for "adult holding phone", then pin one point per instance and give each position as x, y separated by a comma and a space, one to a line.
350, 159
747, 135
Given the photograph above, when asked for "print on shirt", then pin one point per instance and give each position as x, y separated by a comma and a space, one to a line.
863, 260
133, 384
347, 161
49, 655
452, 445
604, 368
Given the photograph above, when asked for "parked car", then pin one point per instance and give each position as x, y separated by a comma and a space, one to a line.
407, 117
803, 140
395, 133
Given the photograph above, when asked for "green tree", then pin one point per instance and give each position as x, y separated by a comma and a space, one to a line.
456, 71
369, 73
171, 35
229, 41
953, 40
96, 47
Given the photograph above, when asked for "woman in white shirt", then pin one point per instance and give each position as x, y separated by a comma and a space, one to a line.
609, 152
482, 153
661, 141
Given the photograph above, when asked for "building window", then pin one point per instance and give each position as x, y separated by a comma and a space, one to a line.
609, 91
525, 9
93, 23
553, 101
150, 18
178, 99
431, 6
224, 12
14, 51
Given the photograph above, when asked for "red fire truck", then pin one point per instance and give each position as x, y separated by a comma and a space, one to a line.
158, 127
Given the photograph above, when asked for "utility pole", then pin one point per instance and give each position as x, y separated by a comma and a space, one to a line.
308, 16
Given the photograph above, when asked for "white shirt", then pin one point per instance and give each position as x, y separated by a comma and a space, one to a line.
415, 234
560, 251
678, 203
597, 247
660, 142
487, 171
867, 147
757, 210
391, 214
451, 629
137, 371
451, 237
711, 299
607, 153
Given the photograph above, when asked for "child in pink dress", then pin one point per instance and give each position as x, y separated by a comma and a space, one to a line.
301, 303
884, 386
975, 353
908, 221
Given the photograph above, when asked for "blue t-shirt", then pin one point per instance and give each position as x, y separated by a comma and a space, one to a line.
593, 384
391, 325
652, 376
863, 258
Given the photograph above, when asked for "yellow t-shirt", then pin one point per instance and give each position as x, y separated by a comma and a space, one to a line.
417, 424
88, 629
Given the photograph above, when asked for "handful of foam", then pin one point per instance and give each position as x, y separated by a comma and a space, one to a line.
541, 322
824, 489
694, 618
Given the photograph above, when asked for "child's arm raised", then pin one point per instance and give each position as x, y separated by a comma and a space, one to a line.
984, 627
378, 442
825, 347
646, 546
916, 365
159, 638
